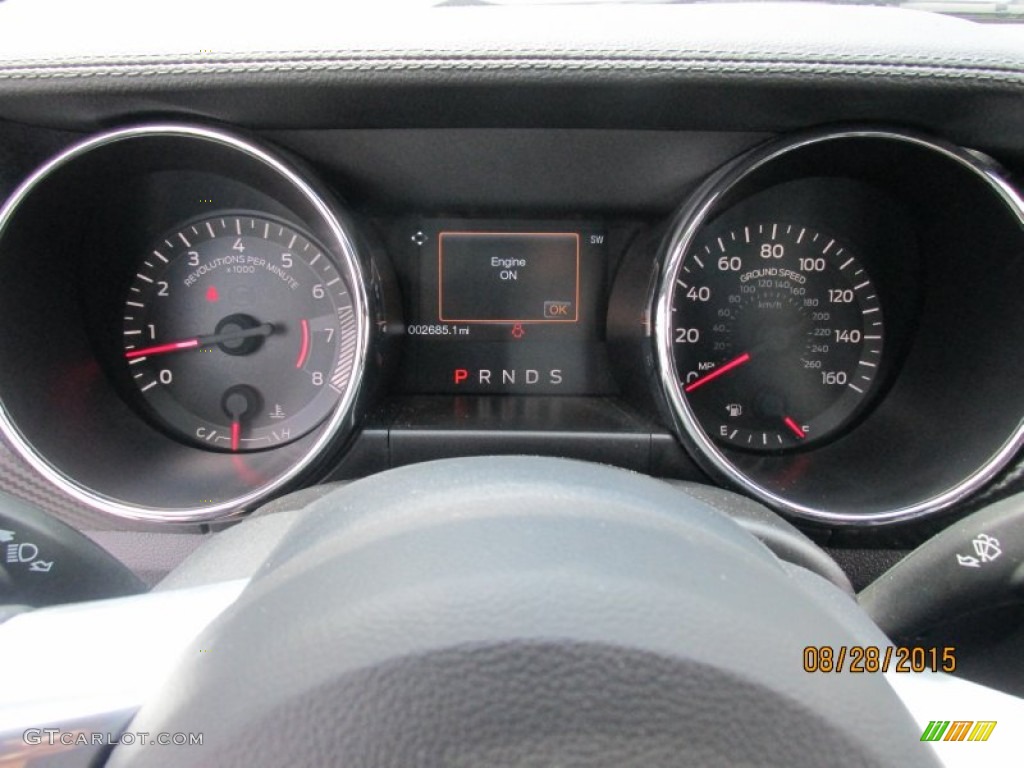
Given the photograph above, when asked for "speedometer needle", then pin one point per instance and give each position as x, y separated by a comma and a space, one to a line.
712, 375
209, 339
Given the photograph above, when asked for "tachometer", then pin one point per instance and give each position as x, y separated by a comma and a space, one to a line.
777, 334
239, 332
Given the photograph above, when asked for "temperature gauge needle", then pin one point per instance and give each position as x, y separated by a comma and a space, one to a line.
240, 403
209, 339
712, 375
794, 427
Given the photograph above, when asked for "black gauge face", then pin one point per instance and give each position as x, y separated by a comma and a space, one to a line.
777, 334
239, 332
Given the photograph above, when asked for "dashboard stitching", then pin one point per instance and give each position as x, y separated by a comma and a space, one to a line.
521, 53
924, 69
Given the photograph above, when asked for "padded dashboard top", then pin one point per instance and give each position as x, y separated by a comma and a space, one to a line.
729, 67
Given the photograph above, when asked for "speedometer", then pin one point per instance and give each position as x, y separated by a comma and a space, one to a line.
777, 334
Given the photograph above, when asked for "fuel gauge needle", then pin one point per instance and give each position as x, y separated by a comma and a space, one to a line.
794, 427
714, 374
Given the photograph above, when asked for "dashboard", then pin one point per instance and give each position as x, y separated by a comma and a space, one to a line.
769, 253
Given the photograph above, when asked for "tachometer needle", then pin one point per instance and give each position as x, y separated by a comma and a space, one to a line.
794, 427
714, 374
160, 349
236, 434
264, 329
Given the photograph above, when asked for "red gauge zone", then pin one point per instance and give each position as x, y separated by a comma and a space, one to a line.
777, 335
239, 332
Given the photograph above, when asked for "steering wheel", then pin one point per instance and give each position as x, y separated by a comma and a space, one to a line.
499, 612
518, 612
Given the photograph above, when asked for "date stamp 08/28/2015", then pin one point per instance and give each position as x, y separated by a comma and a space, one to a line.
859, 659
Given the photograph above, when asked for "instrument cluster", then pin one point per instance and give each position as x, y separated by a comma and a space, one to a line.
201, 324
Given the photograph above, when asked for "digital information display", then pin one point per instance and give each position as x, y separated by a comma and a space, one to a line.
500, 307
508, 277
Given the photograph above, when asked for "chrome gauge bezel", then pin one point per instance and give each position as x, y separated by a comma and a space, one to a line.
701, 208
347, 258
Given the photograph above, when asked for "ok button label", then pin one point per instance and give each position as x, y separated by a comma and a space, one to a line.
558, 310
